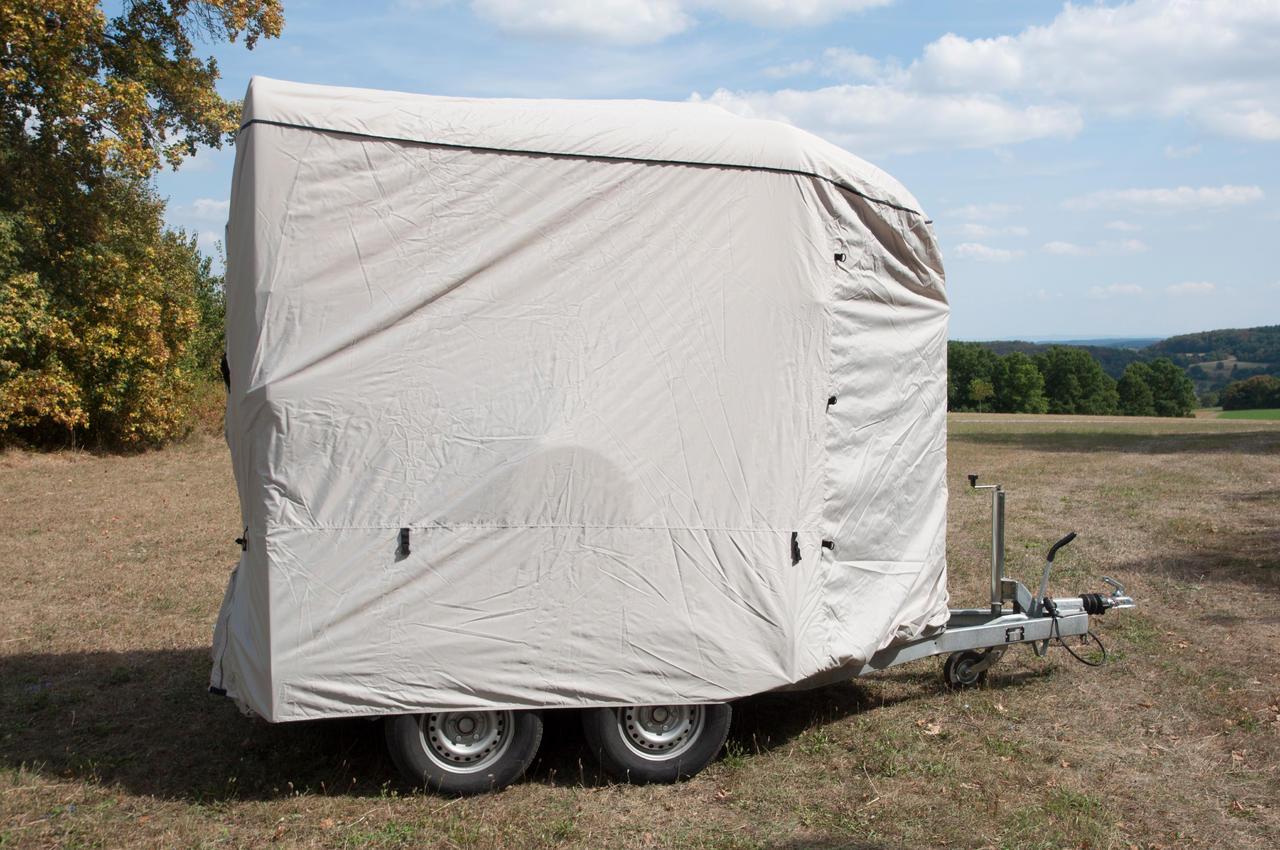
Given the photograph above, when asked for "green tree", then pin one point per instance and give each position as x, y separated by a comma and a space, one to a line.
208, 339
968, 362
1075, 383
981, 392
1134, 390
1257, 393
1019, 386
100, 301
1172, 392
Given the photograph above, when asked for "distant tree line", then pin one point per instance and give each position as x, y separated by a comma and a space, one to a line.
1250, 345
1213, 360
1062, 379
1211, 380
1113, 360
1257, 393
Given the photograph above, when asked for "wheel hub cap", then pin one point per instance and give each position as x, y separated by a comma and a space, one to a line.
660, 732
466, 741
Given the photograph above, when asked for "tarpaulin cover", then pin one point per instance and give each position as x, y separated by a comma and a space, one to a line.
657, 392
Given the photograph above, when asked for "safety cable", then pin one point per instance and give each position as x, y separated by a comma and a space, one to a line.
1053, 613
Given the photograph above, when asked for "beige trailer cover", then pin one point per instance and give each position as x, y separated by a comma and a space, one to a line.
657, 391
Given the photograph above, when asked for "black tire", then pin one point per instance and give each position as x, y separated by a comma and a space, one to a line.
464, 752
958, 670
656, 743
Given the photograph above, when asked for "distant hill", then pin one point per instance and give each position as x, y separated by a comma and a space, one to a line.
1212, 359
1253, 345
1113, 360
1107, 342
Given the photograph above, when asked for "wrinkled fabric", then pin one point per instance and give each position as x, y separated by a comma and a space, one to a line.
620, 368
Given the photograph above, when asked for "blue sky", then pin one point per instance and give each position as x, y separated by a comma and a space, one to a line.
1092, 169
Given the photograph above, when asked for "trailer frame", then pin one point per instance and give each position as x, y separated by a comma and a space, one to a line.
977, 638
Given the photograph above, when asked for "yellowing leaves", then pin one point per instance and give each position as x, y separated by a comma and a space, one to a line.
105, 317
123, 94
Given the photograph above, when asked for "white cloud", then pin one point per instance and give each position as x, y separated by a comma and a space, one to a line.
1123, 246
1115, 289
1190, 288
785, 13
1251, 119
1123, 226
212, 209
983, 212
984, 253
1181, 153
648, 21
875, 120
839, 61
985, 231
198, 163
1212, 61
611, 21
791, 69
204, 210
1181, 199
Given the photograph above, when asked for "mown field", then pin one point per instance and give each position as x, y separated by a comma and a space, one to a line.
1273, 413
114, 567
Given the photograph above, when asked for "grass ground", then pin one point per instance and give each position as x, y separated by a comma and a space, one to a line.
1272, 414
114, 569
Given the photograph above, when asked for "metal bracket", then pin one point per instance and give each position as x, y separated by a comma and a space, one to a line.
1119, 588
987, 659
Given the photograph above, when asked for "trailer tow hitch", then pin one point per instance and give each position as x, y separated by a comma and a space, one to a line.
1089, 604
974, 639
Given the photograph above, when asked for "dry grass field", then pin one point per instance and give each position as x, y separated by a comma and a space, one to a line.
113, 569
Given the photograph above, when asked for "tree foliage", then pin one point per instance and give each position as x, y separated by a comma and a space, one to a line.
979, 379
120, 95
1075, 383
967, 362
1171, 389
100, 302
1019, 385
1256, 345
1112, 358
1136, 398
1260, 392
1158, 388
113, 358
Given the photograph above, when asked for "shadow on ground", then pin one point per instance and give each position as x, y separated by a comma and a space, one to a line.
1075, 440
143, 720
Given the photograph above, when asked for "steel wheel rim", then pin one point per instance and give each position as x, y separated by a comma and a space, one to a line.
661, 732
466, 741
964, 671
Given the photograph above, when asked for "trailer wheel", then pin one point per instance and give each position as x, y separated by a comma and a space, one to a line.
656, 743
958, 670
464, 752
